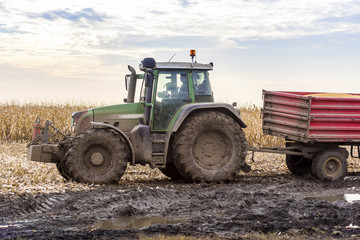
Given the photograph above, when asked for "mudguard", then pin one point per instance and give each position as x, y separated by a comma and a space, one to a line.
188, 109
105, 125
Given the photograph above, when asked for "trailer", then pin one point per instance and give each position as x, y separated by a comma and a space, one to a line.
317, 127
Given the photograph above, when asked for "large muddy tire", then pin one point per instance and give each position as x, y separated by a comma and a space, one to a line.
298, 165
63, 170
171, 171
209, 147
97, 156
330, 165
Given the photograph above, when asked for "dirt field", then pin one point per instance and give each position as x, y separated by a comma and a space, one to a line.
145, 203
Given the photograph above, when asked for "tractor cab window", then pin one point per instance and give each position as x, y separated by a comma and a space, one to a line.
172, 85
172, 89
201, 82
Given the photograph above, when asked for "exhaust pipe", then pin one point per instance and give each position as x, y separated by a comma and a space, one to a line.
132, 85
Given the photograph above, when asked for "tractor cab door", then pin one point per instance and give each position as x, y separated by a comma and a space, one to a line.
172, 92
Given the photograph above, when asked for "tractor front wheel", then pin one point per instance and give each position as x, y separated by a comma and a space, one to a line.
97, 156
63, 170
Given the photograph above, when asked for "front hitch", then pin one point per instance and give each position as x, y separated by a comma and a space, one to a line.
42, 134
42, 148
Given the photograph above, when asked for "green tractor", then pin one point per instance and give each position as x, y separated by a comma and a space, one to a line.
176, 126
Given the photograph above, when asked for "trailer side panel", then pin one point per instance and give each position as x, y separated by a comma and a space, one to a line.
312, 117
334, 119
286, 115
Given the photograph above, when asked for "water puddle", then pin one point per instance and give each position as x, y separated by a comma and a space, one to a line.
135, 222
342, 197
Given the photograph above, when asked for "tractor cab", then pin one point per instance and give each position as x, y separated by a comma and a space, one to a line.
177, 84
167, 86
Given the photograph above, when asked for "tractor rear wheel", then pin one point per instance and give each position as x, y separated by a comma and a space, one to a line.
209, 147
171, 171
97, 156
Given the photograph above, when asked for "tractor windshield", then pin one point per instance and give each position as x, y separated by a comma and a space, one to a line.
201, 82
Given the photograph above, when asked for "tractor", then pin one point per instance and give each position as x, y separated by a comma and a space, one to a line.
175, 126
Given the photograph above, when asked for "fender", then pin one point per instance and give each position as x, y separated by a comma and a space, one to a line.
127, 140
188, 109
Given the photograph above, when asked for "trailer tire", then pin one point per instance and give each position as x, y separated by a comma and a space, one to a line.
298, 165
97, 156
329, 165
209, 147
171, 171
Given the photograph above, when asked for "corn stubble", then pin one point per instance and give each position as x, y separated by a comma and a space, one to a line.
18, 175
16, 121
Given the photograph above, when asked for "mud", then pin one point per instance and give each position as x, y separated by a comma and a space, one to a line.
282, 204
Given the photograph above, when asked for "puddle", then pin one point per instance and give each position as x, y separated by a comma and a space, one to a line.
135, 222
342, 197
352, 197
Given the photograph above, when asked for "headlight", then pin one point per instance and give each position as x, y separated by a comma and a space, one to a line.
76, 116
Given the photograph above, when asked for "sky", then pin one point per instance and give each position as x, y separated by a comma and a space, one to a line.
78, 51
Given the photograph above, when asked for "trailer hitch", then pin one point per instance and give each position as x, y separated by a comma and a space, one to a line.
292, 150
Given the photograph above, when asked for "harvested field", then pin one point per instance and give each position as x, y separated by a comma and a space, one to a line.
267, 203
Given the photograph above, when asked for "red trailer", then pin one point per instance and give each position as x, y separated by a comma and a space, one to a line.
315, 126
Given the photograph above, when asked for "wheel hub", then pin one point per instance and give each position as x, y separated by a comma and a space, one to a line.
97, 159
332, 166
211, 150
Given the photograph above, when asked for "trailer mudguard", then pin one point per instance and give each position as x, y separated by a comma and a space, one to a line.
105, 125
189, 109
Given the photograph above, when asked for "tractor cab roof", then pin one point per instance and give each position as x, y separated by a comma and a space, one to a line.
183, 65
150, 63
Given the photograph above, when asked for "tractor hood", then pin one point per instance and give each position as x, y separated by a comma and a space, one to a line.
123, 116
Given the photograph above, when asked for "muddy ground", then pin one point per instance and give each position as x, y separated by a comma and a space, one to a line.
283, 204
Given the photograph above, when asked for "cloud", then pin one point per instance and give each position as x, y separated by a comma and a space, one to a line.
5, 29
182, 41
349, 19
111, 59
143, 27
185, 3
86, 13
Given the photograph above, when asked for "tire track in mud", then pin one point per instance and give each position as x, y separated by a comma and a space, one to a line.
249, 204
31, 204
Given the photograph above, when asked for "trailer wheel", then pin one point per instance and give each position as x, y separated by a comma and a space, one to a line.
329, 165
209, 147
97, 156
298, 165
171, 171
